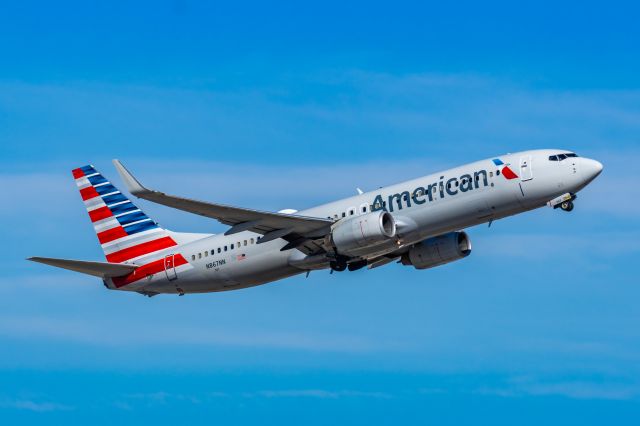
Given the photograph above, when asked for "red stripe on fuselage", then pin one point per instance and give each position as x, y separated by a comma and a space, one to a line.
77, 173
145, 270
100, 213
88, 193
141, 249
111, 234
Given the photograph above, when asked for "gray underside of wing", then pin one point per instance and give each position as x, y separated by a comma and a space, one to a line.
97, 269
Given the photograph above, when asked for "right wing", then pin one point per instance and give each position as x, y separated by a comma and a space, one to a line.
299, 231
97, 269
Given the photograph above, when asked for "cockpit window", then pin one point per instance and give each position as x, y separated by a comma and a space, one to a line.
561, 157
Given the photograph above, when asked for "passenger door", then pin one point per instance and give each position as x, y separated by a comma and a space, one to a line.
170, 267
526, 173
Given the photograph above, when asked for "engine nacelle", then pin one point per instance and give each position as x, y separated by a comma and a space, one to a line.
355, 236
438, 250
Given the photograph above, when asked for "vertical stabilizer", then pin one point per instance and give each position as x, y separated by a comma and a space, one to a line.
124, 231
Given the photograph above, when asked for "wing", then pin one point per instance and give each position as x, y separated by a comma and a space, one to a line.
299, 231
97, 269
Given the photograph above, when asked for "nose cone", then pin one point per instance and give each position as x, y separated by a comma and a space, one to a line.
590, 169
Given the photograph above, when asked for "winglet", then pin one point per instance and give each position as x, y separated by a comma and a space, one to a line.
131, 182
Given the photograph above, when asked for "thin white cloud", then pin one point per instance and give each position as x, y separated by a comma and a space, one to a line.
118, 334
318, 393
604, 389
35, 406
548, 245
584, 390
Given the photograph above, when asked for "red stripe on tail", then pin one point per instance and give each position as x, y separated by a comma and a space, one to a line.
77, 173
88, 193
100, 213
111, 234
145, 270
141, 249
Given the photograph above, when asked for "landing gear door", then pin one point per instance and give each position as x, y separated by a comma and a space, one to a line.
170, 267
526, 173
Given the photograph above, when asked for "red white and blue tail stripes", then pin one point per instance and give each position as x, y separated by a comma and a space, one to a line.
124, 231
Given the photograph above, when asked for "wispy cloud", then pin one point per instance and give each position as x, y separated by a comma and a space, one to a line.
545, 245
342, 115
130, 401
32, 405
117, 334
318, 393
604, 388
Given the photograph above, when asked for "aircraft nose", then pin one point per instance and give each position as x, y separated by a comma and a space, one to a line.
591, 169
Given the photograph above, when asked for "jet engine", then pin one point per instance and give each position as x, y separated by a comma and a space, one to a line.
359, 235
438, 251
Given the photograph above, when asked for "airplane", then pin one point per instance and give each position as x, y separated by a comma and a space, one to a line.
416, 223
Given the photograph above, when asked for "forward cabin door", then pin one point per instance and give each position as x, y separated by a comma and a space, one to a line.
170, 267
526, 173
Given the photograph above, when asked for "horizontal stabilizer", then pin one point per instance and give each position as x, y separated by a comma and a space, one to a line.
97, 269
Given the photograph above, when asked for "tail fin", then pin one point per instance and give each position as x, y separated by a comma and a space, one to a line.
124, 231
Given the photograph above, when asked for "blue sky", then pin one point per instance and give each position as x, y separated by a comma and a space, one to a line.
288, 106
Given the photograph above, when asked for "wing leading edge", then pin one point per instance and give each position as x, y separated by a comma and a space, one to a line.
298, 230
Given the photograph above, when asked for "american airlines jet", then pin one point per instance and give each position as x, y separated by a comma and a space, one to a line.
416, 223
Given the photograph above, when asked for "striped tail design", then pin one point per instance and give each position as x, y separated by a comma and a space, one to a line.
124, 231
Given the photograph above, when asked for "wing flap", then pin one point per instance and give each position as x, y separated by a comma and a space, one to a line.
97, 269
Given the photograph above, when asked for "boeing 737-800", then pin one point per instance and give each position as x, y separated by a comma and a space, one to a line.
418, 223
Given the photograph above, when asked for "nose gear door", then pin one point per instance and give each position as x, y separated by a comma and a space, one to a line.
526, 173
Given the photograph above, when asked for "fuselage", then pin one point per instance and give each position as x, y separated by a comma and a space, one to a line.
425, 207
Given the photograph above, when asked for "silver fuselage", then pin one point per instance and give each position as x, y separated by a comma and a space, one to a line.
424, 207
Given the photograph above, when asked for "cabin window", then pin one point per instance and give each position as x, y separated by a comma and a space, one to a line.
245, 242
225, 248
239, 245
206, 253
231, 246
336, 216
497, 172
193, 257
219, 249
351, 212
344, 214
490, 174
364, 209
199, 255
252, 241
